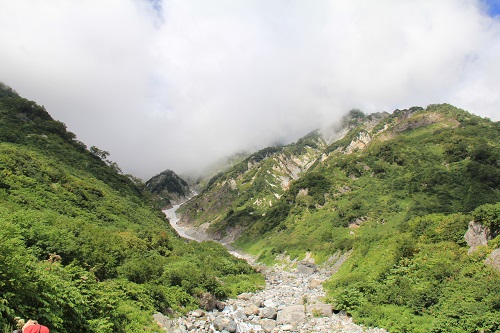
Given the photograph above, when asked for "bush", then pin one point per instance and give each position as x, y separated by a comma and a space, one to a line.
488, 215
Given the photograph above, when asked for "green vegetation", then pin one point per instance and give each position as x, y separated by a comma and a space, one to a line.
81, 249
400, 205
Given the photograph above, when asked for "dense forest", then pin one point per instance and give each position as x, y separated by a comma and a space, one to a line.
395, 192
82, 250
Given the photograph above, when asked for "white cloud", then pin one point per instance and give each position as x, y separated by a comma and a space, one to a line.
213, 77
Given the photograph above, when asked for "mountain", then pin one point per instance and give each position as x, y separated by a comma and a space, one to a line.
82, 250
392, 193
254, 185
169, 188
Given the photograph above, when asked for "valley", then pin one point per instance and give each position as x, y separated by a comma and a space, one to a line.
292, 300
182, 231
397, 191
383, 201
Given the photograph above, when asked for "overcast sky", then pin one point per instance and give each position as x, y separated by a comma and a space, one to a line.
178, 84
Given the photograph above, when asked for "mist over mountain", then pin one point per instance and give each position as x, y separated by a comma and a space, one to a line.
180, 84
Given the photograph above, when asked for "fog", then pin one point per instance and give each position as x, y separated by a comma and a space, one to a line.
180, 84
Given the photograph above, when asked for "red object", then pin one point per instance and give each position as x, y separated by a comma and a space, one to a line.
36, 329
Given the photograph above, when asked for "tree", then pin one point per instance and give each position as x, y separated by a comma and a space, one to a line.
102, 154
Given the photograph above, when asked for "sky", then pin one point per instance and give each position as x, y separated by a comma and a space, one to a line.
179, 84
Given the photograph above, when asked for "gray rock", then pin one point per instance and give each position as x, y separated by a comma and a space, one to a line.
320, 310
306, 268
267, 325
162, 320
220, 305
269, 303
252, 309
208, 301
224, 323
197, 313
293, 314
240, 314
267, 312
258, 303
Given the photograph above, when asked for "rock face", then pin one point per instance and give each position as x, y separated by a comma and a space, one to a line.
287, 304
477, 235
494, 259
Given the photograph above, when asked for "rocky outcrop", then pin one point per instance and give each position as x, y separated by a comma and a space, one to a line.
362, 140
410, 122
477, 235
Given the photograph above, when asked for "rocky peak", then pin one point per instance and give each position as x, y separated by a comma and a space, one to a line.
168, 187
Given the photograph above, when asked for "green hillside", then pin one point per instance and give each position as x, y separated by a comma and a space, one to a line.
247, 190
396, 193
81, 249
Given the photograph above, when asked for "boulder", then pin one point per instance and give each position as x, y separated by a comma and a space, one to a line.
306, 268
252, 309
162, 320
208, 301
267, 312
224, 323
267, 325
197, 313
315, 283
240, 314
258, 303
220, 305
293, 315
320, 310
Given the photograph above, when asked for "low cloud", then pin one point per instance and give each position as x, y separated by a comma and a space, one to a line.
178, 84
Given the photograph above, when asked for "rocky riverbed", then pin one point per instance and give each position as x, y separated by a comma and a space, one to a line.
292, 301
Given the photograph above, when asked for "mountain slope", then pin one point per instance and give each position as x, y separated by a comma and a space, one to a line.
396, 193
81, 249
251, 186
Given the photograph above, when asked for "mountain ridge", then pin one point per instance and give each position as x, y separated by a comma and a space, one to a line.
392, 191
